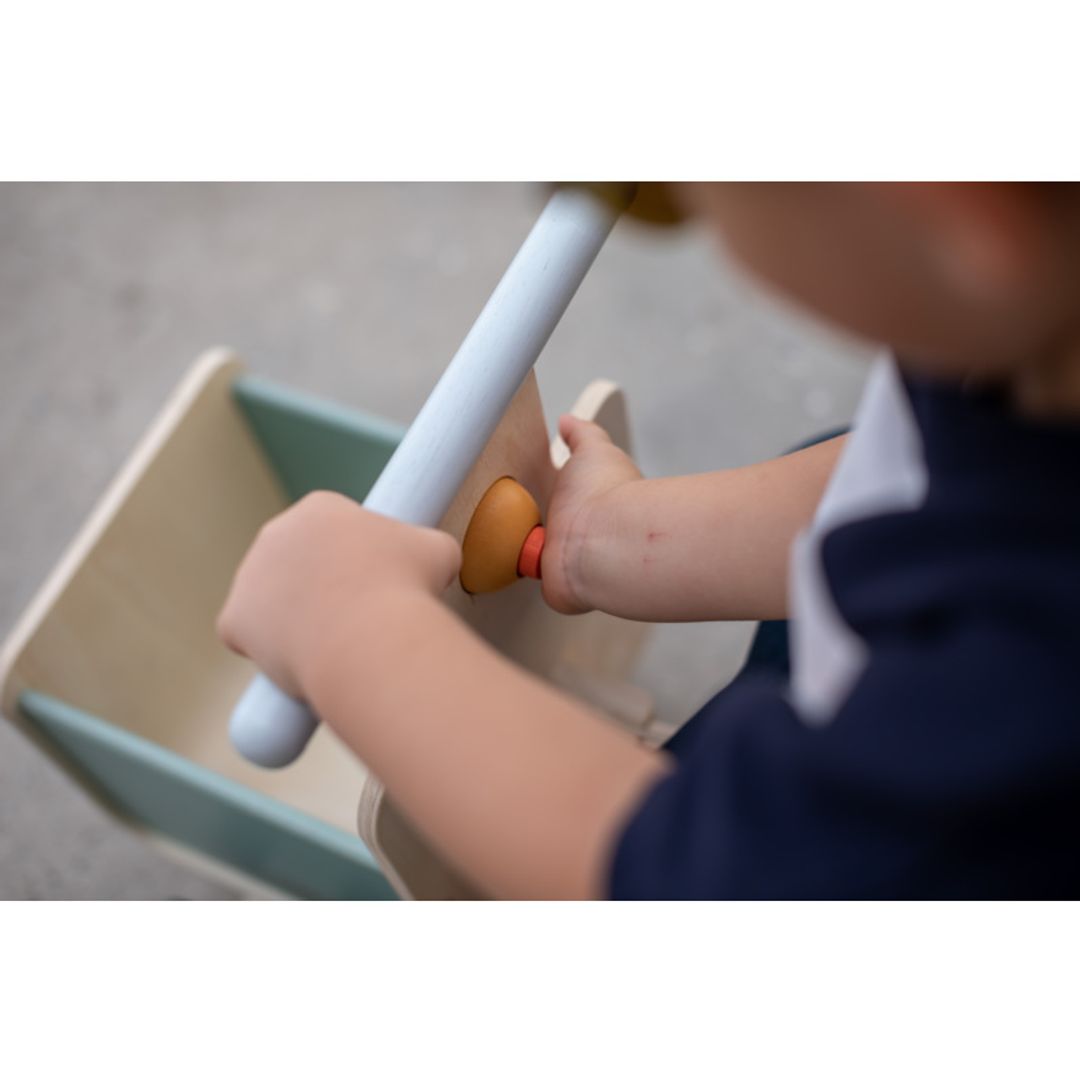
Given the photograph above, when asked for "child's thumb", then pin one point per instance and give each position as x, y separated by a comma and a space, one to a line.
579, 433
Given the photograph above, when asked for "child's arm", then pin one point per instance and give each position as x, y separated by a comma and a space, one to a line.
523, 789
710, 546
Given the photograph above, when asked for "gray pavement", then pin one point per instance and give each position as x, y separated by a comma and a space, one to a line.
360, 293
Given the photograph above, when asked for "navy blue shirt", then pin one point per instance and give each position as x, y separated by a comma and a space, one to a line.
952, 767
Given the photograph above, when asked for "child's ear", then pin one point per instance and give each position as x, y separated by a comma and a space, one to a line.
987, 241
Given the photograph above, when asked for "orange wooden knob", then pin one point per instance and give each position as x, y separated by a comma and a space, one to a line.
503, 520
529, 559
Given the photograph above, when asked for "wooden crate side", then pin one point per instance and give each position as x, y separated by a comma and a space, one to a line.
313, 444
157, 788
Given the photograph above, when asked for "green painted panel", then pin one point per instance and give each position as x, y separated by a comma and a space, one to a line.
262, 836
314, 444
311, 444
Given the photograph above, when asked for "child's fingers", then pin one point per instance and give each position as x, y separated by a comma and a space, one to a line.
227, 626
445, 557
579, 433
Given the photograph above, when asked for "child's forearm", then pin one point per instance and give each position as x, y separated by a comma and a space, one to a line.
711, 546
520, 787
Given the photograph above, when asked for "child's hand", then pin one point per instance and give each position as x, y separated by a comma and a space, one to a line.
324, 566
580, 513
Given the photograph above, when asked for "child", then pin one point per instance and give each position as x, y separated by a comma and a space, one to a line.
928, 742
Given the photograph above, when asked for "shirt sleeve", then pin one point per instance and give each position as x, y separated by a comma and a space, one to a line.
952, 770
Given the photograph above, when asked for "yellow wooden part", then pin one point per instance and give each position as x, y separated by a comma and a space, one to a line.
503, 518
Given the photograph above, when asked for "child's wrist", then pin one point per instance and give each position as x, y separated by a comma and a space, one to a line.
362, 640
594, 547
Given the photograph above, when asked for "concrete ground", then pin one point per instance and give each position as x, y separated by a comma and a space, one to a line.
360, 293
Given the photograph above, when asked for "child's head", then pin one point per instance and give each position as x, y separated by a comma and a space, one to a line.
962, 278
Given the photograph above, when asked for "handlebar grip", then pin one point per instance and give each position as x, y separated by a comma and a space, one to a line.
450, 431
268, 727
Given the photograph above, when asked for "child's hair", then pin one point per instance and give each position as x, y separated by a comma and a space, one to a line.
960, 278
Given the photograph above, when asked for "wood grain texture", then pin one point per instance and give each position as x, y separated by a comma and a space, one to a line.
123, 628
